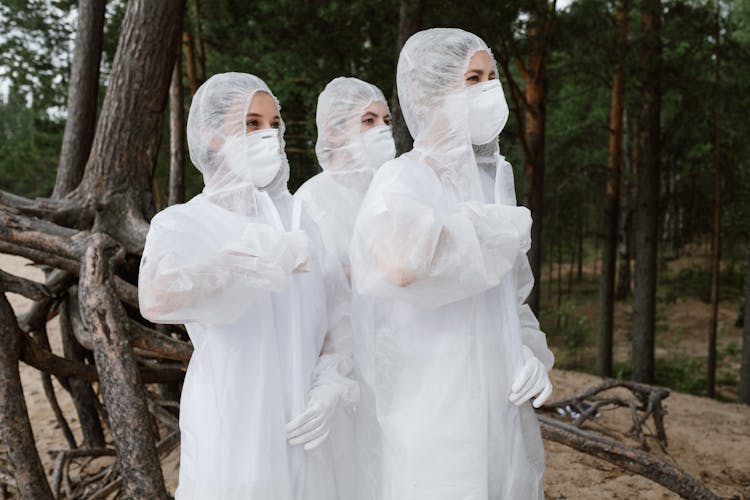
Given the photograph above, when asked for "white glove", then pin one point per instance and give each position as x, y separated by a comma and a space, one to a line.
289, 250
499, 225
531, 381
312, 427
331, 387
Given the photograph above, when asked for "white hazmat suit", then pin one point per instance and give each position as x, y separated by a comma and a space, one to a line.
440, 337
333, 196
241, 265
348, 159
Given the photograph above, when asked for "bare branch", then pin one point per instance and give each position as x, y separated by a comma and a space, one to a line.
625, 457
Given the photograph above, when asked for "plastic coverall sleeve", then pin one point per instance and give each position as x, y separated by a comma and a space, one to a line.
408, 245
188, 276
532, 335
335, 366
333, 386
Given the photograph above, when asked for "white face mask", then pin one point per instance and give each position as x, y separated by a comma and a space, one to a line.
488, 111
255, 157
379, 146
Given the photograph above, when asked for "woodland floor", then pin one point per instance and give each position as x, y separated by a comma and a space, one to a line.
709, 439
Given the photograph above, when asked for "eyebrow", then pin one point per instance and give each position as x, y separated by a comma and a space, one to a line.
476, 70
369, 113
258, 115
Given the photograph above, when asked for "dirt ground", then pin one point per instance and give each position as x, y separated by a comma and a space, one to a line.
709, 439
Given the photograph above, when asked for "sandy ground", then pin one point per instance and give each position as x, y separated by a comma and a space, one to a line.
709, 439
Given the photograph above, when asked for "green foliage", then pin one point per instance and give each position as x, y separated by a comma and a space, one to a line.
297, 48
28, 149
695, 281
35, 49
576, 329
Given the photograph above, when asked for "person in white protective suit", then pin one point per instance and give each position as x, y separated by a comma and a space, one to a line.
448, 355
354, 139
242, 266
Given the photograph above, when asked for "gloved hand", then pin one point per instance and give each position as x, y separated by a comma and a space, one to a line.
312, 427
531, 381
331, 387
499, 225
298, 245
290, 251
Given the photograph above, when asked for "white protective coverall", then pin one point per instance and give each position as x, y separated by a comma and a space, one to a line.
242, 267
332, 198
439, 278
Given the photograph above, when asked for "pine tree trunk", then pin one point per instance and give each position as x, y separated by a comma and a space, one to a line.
644, 299
745, 366
83, 90
535, 90
409, 22
118, 177
176, 136
716, 242
187, 42
579, 271
612, 208
15, 427
626, 212
133, 429
199, 40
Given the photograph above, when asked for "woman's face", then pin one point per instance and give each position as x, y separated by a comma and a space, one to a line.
262, 113
480, 69
374, 116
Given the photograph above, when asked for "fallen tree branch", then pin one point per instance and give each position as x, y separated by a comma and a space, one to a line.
63, 459
647, 399
34, 355
68, 212
29, 289
625, 457
157, 343
56, 246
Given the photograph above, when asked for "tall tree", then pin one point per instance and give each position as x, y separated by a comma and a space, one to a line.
612, 205
118, 176
626, 213
83, 91
80, 125
176, 135
716, 240
531, 102
409, 22
647, 197
745, 366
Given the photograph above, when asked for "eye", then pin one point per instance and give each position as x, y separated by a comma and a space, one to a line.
251, 123
368, 121
473, 78
493, 76
276, 124
387, 121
